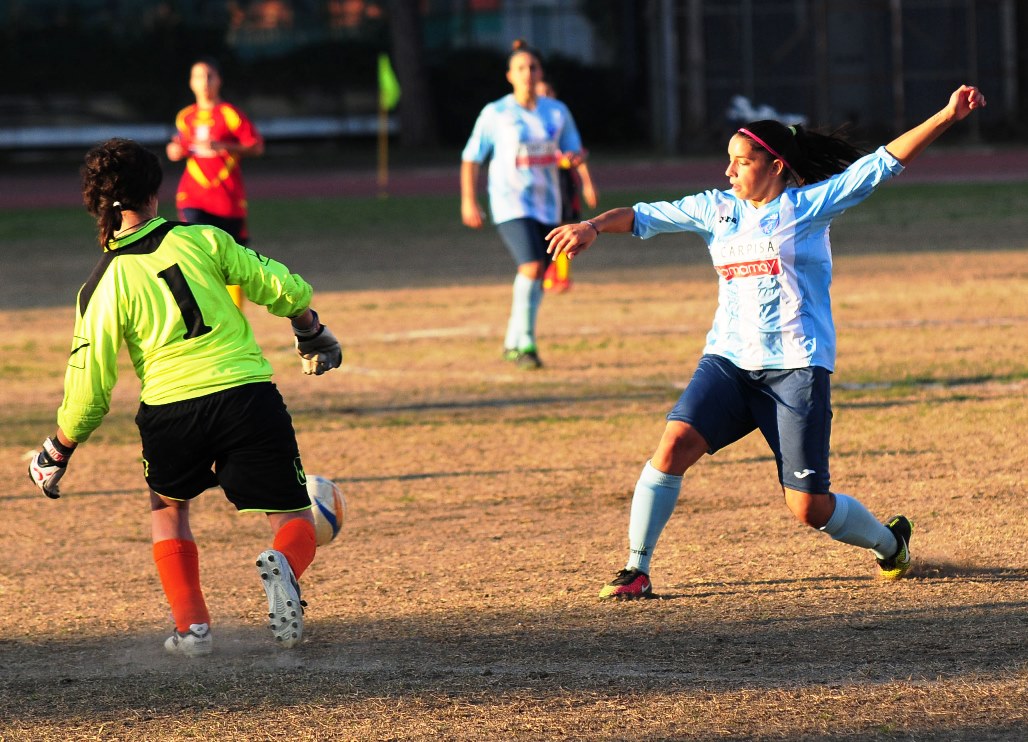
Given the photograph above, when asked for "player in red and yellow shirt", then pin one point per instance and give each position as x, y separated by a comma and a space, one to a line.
214, 136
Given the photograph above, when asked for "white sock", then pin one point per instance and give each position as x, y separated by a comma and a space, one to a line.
510, 340
852, 523
535, 298
518, 326
656, 495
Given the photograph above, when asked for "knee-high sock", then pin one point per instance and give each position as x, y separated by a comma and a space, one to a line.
656, 495
535, 298
178, 566
523, 310
852, 523
298, 541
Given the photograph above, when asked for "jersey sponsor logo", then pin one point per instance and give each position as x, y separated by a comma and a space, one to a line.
739, 250
535, 161
770, 267
536, 154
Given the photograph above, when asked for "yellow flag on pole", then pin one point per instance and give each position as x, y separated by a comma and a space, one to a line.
388, 85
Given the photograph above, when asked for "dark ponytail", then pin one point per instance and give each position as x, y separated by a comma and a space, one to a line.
824, 155
118, 174
810, 156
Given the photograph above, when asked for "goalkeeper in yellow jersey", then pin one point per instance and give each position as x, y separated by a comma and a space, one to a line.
209, 414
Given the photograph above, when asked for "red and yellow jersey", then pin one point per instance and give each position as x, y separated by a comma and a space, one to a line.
212, 180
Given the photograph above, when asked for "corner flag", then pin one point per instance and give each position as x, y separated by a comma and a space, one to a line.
388, 85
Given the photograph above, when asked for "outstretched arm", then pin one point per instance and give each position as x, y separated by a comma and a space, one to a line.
571, 239
910, 144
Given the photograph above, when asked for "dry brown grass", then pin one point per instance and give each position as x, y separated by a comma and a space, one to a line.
487, 506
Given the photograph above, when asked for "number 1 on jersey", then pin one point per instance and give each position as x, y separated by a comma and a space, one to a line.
195, 326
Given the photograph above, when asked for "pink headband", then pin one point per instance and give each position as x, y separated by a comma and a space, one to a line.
765, 145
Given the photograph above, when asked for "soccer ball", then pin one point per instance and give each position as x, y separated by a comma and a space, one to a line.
328, 506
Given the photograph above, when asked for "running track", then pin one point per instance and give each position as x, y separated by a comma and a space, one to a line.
679, 177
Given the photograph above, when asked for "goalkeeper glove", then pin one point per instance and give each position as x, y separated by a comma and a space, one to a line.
48, 466
318, 348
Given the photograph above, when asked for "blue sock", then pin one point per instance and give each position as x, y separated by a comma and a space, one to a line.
852, 523
656, 495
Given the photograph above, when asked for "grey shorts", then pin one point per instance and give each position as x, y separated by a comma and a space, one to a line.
792, 408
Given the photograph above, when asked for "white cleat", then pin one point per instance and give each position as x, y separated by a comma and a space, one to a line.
285, 609
197, 642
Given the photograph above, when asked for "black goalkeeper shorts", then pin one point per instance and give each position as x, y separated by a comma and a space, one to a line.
241, 439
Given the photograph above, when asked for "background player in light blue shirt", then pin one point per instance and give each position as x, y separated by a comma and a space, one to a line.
523, 136
771, 349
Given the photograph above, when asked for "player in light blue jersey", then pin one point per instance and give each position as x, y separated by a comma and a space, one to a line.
524, 137
771, 349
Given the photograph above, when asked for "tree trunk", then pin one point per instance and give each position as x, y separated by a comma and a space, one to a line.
416, 112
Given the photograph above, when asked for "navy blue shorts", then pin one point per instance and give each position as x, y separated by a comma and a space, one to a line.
792, 409
525, 240
241, 439
235, 226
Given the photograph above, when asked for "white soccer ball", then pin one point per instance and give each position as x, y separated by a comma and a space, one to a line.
328, 506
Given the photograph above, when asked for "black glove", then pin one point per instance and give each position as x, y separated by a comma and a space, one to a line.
48, 466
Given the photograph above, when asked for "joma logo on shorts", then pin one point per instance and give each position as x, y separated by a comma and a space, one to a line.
772, 267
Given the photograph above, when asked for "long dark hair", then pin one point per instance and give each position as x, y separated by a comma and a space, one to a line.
118, 174
809, 156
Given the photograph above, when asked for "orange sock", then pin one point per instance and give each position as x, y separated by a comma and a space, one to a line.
296, 539
178, 565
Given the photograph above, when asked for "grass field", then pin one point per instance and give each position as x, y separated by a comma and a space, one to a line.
487, 506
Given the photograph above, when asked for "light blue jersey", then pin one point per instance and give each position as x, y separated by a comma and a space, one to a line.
774, 263
523, 148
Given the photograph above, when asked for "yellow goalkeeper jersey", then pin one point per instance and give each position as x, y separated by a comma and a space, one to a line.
161, 292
